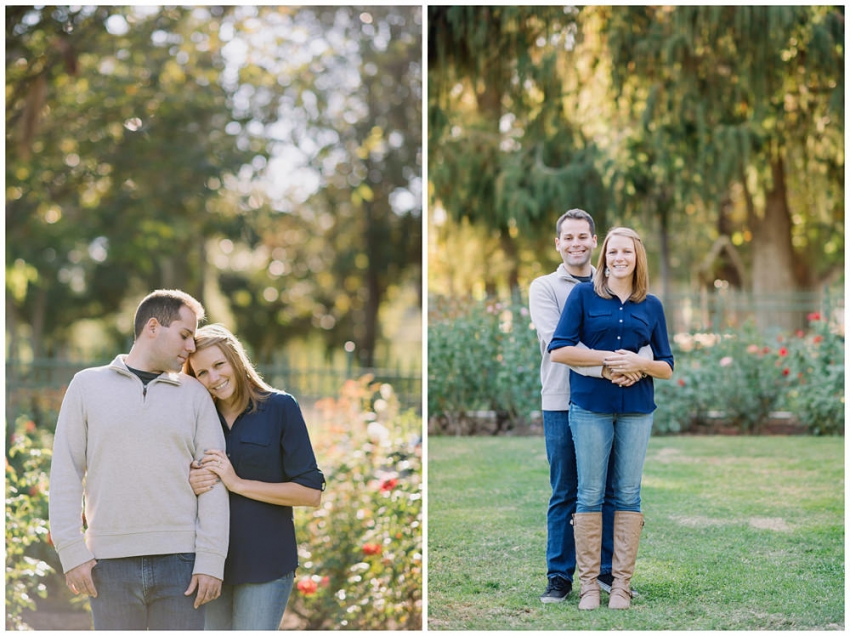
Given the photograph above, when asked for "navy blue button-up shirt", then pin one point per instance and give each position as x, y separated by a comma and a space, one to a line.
271, 445
608, 324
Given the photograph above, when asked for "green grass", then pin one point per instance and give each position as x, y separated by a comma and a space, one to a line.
742, 533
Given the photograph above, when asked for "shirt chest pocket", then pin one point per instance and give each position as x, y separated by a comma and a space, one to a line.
256, 456
642, 327
600, 318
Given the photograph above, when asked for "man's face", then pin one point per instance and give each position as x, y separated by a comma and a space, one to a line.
575, 245
175, 342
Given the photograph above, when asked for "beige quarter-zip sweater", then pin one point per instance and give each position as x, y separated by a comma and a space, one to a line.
125, 450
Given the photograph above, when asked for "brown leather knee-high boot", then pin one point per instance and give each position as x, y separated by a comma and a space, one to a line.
588, 536
627, 527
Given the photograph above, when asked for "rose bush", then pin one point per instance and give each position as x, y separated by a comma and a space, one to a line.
361, 551
32, 567
743, 376
482, 356
815, 373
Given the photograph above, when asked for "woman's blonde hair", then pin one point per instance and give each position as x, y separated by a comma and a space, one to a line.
251, 389
640, 277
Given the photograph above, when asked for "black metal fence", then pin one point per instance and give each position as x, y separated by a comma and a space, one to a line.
308, 384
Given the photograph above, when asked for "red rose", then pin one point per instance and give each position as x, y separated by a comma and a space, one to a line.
307, 586
388, 484
372, 548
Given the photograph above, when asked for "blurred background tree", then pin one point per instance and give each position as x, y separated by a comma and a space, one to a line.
716, 131
503, 149
265, 159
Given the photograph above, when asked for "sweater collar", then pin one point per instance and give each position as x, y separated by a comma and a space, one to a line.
119, 365
565, 274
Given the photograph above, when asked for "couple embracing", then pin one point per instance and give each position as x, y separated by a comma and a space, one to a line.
603, 339
187, 465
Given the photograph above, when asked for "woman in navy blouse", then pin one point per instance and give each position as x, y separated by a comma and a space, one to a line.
614, 316
269, 467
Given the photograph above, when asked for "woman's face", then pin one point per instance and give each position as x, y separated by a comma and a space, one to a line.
620, 257
214, 371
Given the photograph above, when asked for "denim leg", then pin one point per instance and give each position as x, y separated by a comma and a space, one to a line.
632, 432
219, 615
593, 435
608, 519
168, 606
560, 451
120, 601
260, 606
145, 592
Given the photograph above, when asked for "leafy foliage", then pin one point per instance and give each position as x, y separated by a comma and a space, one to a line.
484, 356
729, 119
204, 148
30, 561
743, 376
503, 152
361, 552
481, 355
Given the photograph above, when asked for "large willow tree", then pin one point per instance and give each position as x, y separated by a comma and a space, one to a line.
503, 151
698, 125
757, 94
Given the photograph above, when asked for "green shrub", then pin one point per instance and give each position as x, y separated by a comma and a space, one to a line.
361, 551
27, 536
482, 356
734, 376
743, 376
816, 377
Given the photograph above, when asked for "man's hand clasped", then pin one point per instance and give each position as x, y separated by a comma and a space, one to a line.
623, 368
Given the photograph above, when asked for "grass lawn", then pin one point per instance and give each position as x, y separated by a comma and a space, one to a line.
742, 533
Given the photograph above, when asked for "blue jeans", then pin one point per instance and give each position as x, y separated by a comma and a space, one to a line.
560, 542
145, 592
250, 606
609, 439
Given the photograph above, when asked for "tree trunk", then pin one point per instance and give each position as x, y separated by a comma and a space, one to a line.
39, 316
773, 254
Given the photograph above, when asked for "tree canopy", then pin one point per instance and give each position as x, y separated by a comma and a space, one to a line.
265, 159
726, 119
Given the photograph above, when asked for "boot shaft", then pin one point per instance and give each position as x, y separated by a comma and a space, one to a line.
627, 528
587, 528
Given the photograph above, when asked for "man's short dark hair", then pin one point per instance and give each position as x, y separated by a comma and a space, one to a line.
575, 213
164, 305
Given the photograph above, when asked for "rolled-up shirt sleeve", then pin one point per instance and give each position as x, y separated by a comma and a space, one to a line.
299, 461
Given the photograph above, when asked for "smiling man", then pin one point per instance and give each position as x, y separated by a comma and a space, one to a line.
148, 552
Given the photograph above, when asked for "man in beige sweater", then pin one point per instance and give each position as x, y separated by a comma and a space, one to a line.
148, 552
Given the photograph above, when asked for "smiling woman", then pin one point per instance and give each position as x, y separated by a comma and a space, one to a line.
269, 460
